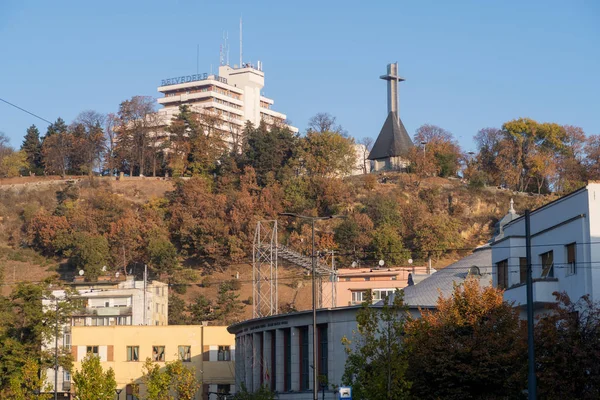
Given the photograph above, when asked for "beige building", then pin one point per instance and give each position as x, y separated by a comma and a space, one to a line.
208, 349
353, 283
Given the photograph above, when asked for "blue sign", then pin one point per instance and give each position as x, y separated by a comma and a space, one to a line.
191, 78
345, 392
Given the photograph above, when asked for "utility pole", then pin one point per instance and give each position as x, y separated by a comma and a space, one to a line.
531, 379
145, 304
56, 353
314, 310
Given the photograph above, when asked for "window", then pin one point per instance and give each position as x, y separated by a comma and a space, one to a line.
502, 274
92, 349
347, 279
571, 258
287, 360
224, 354
357, 297
185, 353
131, 392
223, 389
547, 264
304, 366
522, 269
133, 353
367, 278
67, 341
66, 376
323, 350
158, 353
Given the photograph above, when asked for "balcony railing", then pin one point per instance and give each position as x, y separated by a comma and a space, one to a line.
103, 311
542, 292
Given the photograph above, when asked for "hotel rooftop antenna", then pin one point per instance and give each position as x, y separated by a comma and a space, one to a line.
227, 46
241, 65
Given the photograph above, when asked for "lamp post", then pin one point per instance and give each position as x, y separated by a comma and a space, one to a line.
118, 392
423, 143
314, 292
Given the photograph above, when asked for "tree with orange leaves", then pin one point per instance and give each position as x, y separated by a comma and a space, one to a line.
471, 347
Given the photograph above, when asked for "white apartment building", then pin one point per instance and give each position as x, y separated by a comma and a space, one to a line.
565, 249
108, 302
234, 93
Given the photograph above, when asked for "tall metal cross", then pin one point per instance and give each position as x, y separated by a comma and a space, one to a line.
392, 79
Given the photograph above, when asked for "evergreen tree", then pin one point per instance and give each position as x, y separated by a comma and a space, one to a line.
58, 127
32, 146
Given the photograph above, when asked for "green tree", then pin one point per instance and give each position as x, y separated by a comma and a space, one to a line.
183, 380
163, 255
471, 347
376, 364
201, 309
327, 153
177, 310
228, 305
27, 383
263, 393
90, 253
157, 382
92, 382
32, 146
387, 245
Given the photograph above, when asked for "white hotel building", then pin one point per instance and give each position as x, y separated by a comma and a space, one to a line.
235, 94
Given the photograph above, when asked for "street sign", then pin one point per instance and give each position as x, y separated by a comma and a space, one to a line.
345, 392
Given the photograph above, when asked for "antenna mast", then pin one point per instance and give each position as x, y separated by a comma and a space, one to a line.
241, 66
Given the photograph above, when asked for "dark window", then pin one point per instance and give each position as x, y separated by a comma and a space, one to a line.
571, 258
92, 349
273, 370
185, 353
224, 353
133, 353
547, 264
158, 353
287, 360
323, 350
522, 269
502, 274
304, 367
223, 389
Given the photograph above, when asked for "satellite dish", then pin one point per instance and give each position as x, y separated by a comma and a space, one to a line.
381, 263
104, 268
410, 261
117, 274
474, 270
354, 264
81, 272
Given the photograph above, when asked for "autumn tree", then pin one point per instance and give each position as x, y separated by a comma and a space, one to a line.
56, 152
471, 347
567, 347
90, 253
367, 146
27, 383
133, 132
183, 380
92, 382
441, 149
592, 156
89, 139
376, 363
32, 146
13, 164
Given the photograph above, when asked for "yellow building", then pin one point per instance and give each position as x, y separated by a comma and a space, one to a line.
208, 349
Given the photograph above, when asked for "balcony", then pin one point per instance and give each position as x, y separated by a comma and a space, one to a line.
103, 311
542, 293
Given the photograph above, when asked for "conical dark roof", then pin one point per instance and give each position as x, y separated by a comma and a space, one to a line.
393, 140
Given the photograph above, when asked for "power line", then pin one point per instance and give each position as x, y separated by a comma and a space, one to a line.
28, 112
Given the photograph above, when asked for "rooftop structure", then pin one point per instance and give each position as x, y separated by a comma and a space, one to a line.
391, 148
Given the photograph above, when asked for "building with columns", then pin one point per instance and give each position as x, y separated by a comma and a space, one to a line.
277, 350
391, 148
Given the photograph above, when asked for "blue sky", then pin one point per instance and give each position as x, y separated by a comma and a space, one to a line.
467, 64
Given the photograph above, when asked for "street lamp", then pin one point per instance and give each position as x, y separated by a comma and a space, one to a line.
314, 292
118, 392
423, 143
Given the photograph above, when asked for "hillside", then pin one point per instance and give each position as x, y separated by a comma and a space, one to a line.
198, 235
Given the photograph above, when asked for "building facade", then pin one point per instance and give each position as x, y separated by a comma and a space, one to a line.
108, 302
235, 94
565, 249
209, 350
277, 350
